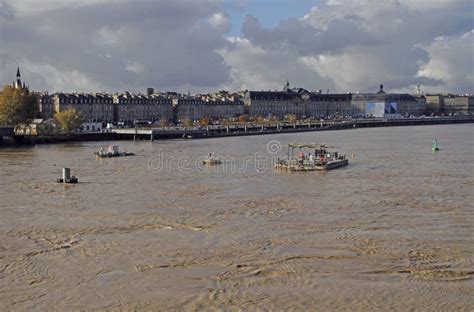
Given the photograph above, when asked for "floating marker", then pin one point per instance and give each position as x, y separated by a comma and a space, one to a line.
67, 178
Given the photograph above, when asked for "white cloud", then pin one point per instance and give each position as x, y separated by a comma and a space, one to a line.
220, 21
60, 80
32, 7
358, 44
452, 62
126, 45
135, 67
256, 68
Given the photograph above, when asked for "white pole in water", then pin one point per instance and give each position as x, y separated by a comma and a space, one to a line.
66, 174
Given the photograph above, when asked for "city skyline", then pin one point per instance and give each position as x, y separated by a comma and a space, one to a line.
202, 46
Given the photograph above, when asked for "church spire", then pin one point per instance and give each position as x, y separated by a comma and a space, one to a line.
18, 83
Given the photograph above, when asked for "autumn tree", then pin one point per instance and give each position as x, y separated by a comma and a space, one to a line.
17, 105
69, 119
204, 121
243, 118
291, 118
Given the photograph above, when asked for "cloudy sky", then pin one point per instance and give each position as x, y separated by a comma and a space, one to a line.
207, 45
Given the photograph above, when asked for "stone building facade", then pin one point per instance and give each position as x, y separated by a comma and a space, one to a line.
195, 108
274, 104
406, 104
460, 105
131, 108
299, 102
45, 105
101, 107
328, 105
171, 106
95, 107
434, 104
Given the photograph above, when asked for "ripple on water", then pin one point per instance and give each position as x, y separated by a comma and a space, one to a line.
385, 233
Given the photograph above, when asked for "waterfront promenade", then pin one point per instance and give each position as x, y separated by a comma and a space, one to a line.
214, 131
265, 128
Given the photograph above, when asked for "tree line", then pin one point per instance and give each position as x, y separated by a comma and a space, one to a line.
19, 106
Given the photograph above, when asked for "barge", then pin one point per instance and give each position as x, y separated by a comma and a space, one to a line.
323, 158
112, 151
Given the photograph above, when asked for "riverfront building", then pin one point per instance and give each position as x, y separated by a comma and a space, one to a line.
434, 104
383, 104
45, 105
102, 107
195, 108
321, 105
274, 103
130, 108
154, 107
459, 105
449, 104
303, 103
95, 107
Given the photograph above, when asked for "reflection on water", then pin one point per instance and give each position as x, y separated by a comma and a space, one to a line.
393, 230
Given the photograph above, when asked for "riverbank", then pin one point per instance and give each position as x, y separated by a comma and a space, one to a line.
214, 131
54, 139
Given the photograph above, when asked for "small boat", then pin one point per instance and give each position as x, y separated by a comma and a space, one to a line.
323, 158
112, 151
211, 160
435, 147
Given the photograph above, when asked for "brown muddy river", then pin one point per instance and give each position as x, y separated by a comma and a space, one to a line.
158, 231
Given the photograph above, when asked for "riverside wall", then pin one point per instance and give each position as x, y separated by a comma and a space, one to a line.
228, 130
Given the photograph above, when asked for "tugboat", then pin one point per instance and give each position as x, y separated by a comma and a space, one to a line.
324, 158
211, 160
112, 151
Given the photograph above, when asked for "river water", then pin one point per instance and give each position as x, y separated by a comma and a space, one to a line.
392, 231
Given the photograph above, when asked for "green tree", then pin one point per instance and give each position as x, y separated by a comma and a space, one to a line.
69, 119
17, 106
187, 122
